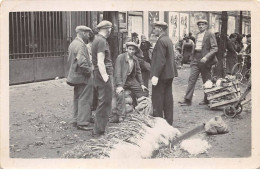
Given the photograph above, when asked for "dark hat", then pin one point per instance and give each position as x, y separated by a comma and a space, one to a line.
134, 34
160, 23
104, 24
131, 44
202, 21
82, 28
249, 35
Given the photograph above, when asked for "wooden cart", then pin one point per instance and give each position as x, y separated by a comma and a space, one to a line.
226, 94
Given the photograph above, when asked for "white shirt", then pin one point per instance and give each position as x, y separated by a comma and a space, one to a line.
199, 40
131, 64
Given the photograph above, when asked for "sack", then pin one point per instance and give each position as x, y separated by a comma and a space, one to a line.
216, 126
128, 108
129, 100
127, 93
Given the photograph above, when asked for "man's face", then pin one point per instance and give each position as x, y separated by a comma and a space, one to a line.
85, 36
202, 27
108, 31
156, 30
143, 38
131, 50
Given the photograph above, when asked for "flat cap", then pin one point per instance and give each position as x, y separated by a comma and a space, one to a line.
104, 24
202, 21
82, 28
160, 23
134, 34
131, 44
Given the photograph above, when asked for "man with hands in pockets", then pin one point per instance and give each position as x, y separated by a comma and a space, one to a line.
103, 71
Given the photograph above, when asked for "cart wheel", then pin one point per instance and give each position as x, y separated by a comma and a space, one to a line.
239, 77
230, 111
239, 108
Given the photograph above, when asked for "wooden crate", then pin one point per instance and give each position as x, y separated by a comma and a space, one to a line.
217, 96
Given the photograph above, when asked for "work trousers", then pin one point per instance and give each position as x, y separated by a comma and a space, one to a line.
104, 105
162, 100
146, 76
82, 102
196, 69
134, 86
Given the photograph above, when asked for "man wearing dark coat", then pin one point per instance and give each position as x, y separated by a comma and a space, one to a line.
81, 78
203, 58
163, 70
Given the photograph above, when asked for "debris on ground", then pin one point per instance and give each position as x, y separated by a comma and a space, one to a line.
195, 146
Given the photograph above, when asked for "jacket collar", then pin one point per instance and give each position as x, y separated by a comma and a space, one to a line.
79, 39
162, 35
126, 57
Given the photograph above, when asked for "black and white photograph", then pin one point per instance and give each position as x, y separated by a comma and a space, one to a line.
118, 84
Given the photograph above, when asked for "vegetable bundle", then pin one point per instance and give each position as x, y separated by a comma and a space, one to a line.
138, 136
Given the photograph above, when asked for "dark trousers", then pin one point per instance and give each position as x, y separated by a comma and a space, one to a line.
196, 69
162, 100
134, 86
104, 95
146, 76
82, 102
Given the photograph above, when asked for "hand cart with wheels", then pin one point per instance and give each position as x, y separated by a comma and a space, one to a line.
237, 108
225, 95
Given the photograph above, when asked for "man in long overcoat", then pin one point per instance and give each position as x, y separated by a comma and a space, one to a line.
163, 70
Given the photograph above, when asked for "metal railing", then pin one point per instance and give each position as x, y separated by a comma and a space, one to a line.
37, 34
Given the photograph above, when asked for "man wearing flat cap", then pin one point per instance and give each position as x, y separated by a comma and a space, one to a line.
127, 76
202, 60
80, 77
103, 71
163, 70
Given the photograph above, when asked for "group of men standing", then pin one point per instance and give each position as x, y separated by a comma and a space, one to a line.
88, 74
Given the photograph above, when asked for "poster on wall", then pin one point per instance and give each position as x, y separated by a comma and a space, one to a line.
184, 24
231, 25
174, 27
135, 24
214, 23
153, 16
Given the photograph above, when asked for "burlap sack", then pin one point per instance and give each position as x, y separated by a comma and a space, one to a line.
216, 126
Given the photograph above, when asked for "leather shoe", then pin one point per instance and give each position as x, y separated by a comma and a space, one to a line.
114, 119
97, 135
84, 127
185, 102
203, 103
74, 124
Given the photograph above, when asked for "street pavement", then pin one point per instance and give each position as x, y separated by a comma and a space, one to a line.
40, 113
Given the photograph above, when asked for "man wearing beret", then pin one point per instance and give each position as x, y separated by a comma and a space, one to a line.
127, 76
103, 71
163, 70
80, 77
203, 58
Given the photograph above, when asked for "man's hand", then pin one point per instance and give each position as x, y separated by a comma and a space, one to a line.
144, 88
203, 60
154, 80
105, 78
119, 90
